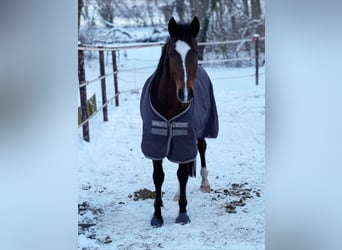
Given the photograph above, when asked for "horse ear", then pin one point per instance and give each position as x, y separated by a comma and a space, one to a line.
195, 26
172, 27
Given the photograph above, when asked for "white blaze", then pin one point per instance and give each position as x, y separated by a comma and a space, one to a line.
183, 48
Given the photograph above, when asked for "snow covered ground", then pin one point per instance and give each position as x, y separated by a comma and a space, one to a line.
112, 167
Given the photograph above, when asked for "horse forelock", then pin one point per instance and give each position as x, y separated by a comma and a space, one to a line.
184, 33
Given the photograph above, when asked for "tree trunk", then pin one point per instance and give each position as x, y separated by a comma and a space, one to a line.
180, 10
80, 5
245, 8
204, 11
256, 15
256, 9
203, 36
234, 26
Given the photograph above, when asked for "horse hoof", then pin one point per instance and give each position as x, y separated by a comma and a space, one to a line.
156, 221
183, 218
205, 188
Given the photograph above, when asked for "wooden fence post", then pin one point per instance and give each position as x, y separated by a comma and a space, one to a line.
256, 42
115, 74
103, 85
83, 95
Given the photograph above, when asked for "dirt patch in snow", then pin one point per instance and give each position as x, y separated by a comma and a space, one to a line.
143, 194
236, 195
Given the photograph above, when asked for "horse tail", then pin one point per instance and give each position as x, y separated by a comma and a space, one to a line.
192, 168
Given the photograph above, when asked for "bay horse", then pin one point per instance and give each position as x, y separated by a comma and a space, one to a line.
178, 110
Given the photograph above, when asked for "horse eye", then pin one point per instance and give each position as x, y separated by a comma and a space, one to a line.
193, 51
172, 53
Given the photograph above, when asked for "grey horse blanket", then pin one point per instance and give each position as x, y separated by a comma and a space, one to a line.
176, 138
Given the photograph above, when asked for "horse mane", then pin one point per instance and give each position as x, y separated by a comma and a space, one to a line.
162, 59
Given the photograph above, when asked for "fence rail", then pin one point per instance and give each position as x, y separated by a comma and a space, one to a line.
83, 83
145, 45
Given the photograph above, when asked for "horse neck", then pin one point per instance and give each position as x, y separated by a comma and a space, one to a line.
163, 90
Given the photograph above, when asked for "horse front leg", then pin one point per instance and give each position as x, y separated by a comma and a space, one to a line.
202, 146
158, 179
183, 176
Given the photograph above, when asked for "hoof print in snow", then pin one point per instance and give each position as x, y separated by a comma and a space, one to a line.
86, 186
156, 221
230, 208
92, 236
83, 207
182, 219
98, 211
106, 240
86, 225
88, 216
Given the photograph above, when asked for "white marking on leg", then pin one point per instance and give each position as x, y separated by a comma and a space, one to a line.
183, 48
205, 186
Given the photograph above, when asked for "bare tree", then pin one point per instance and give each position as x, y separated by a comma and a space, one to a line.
220, 19
203, 9
150, 10
167, 10
106, 10
180, 10
245, 8
80, 5
256, 9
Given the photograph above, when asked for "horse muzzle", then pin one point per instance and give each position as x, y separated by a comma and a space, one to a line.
185, 95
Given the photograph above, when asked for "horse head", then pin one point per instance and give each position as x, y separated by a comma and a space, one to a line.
183, 57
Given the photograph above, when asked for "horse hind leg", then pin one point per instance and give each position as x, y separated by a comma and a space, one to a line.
191, 166
158, 179
205, 186
202, 146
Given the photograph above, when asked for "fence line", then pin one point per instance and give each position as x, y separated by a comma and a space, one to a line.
120, 47
115, 48
106, 104
225, 60
235, 77
96, 111
145, 45
86, 83
83, 83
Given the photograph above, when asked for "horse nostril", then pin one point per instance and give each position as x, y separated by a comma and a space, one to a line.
180, 95
190, 94
185, 97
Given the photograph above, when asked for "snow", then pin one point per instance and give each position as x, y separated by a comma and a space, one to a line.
112, 167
